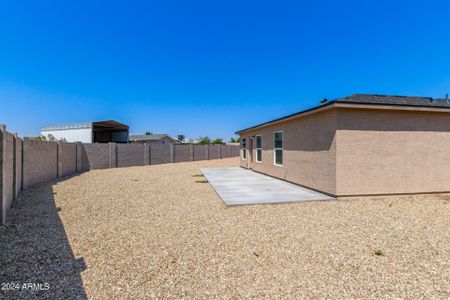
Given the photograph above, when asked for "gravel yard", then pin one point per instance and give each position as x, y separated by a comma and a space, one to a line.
162, 232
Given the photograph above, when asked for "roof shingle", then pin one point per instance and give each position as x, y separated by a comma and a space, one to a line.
371, 99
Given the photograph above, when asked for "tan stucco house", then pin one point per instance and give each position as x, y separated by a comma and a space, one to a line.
357, 145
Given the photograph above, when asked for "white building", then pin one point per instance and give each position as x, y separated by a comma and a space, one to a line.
89, 132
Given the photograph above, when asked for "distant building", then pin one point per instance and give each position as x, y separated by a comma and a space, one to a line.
88, 132
181, 138
153, 139
192, 141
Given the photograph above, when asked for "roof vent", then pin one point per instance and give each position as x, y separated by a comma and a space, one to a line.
325, 100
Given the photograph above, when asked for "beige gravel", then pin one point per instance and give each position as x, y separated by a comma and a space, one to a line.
159, 232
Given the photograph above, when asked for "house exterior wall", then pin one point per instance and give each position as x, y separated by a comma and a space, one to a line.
392, 151
309, 151
83, 135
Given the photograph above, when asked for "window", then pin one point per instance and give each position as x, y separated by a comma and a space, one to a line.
258, 149
278, 148
244, 148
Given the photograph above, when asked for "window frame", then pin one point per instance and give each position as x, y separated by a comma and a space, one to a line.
275, 149
244, 149
256, 148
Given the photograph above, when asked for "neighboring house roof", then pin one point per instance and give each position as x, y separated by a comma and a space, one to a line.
369, 99
108, 123
151, 137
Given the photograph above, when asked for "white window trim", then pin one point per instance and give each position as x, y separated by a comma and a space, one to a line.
244, 149
274, 155
256, 150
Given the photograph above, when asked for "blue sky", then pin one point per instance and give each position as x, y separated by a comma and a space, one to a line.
211, 67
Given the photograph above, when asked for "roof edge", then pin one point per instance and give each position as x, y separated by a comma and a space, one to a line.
341, 102
327, 105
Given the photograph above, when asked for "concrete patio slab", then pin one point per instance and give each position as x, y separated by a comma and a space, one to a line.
238, 186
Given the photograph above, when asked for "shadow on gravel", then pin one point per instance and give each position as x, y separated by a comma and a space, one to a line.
36, 260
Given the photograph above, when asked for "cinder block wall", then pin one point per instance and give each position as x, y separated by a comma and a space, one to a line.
7, 171
131, 155
200, 152
102, 156
234, 151
26, 162
40, 162
224, 151
67, 159
18, 167
95, 156
214, 151
182, 153
160, 154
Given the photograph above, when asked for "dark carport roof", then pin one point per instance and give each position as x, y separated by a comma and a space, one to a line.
369, 99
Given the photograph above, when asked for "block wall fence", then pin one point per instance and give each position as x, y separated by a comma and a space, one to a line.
25, 162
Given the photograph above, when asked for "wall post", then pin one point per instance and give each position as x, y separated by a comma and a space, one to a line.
172, 152
191, 152
219, 152
78, 156
20, 158
2, 213
146, 154
25, 145
15, 193
58, 159
149, 154
112, 155
206, 152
